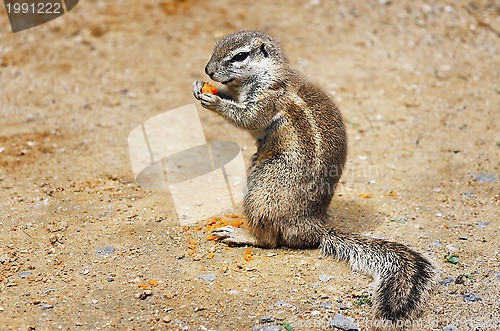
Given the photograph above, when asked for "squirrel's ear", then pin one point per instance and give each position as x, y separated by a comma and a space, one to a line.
263, 50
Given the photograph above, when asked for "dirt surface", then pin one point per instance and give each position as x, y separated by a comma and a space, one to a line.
83, 247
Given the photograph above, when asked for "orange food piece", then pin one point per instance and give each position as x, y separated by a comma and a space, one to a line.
211, 255
193, 242
365, 195
143, 285
248, 255
153, 282
209, 88
213, 221
211, 237
191, 252
392, 194
237, 223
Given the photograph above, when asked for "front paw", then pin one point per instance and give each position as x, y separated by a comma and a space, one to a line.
209, 101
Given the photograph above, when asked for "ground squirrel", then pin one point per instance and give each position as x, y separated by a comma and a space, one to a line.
301, 151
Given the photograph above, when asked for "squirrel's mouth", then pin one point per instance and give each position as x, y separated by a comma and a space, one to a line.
227, 81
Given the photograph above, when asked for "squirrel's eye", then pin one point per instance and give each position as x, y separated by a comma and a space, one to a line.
241, 56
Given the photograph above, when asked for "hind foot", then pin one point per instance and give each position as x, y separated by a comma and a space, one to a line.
232, 236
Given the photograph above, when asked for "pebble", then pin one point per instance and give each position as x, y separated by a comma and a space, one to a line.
24, 274
325, 305
208, 277
468, 195
325, 278
447, 281
110, 279
471, 297
400, 220
450, 328
281, 303
463, 237
45, 306
144, 295
437, 244
343, 323
497, 275
482, 225
267, 319
105, 251
266, 327
167, 319
181, 325
482, 178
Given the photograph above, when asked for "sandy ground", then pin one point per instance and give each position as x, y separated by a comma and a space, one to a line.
83, 247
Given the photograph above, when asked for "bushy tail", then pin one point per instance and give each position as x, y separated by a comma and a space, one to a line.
404, 278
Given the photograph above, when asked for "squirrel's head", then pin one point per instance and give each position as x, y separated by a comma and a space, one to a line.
244, 57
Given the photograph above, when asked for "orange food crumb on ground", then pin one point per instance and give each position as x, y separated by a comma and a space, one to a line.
209, 88
238, 223
191, 252
211, 237
218, 222
392, 194
365, 195
211, 255
248, 255
150, 283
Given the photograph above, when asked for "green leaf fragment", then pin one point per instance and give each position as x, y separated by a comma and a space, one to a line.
286, 326
452, 259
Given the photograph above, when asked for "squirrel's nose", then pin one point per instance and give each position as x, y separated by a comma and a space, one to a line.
207, 71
